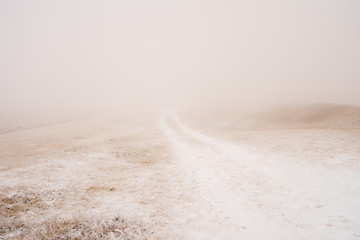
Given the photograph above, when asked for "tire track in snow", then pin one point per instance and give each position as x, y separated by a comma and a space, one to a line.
241, 194
219, 212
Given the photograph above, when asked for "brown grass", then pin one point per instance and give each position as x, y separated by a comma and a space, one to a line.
24, 215
80, 227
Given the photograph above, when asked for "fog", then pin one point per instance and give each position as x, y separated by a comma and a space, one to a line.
95, 56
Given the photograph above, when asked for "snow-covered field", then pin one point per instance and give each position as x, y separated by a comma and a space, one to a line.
244, 193
186, 176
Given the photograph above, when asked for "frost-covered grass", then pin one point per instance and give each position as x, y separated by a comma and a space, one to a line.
170, 179
79, 227
94, 181
34, 211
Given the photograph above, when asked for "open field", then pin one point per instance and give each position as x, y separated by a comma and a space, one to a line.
285, 173
180, 120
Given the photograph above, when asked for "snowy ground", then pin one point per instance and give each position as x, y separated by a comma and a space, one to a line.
247, 194
155, 177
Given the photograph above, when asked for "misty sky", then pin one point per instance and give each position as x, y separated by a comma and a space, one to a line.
112, 54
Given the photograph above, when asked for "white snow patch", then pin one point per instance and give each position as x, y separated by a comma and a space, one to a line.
245, 194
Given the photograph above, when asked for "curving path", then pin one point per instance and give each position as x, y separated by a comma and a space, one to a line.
238, 193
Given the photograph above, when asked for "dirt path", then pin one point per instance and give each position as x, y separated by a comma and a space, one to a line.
239, 193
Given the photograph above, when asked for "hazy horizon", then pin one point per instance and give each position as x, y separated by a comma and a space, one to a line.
87, 56
164, 119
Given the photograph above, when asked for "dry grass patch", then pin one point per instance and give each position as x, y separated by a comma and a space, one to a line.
142, 154
29, 215
81, 227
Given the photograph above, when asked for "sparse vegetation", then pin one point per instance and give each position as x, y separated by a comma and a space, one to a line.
80, 227
27, 215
